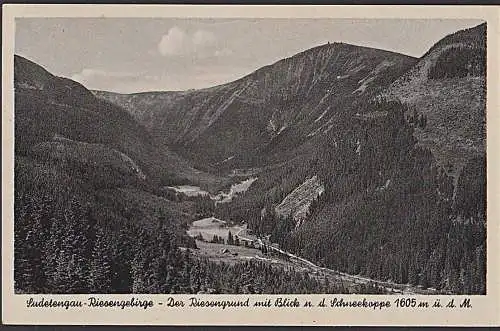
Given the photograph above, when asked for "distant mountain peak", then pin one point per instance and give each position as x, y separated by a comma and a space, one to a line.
299, 93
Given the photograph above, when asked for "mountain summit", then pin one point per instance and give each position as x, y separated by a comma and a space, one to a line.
296, 97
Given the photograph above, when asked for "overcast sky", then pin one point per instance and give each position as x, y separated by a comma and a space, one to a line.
142, 54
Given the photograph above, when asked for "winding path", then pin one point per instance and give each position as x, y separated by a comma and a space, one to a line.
397, 288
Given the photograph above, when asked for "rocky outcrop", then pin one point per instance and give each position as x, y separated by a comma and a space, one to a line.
297, 203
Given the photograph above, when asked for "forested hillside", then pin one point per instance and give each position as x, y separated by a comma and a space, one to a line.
90, 212
388, 211
447, 87
404, 178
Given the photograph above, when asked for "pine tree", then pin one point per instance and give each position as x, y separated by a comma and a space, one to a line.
100, 269
122, 255
138, 267
51, 256
185, 274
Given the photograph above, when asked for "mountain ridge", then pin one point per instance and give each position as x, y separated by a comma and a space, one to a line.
448, 87
78, 115
404, 191
289, 94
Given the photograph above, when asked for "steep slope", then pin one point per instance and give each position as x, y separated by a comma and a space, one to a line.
271, 111
48, 106
69, 144
297, 203
404, 175
447, 87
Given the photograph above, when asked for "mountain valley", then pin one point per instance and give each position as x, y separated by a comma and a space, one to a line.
364, 162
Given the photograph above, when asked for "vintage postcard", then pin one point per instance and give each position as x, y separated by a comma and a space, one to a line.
250, 165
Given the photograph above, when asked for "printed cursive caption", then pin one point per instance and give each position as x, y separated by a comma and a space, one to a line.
280, 302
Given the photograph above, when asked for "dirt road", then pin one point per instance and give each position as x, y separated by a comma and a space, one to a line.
390, 287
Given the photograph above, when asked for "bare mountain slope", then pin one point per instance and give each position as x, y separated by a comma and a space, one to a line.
448, 87
295, 98
297, 203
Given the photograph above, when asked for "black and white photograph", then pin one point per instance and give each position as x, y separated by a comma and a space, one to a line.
176, 155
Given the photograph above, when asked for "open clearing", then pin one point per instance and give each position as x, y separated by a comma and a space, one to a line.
189, 190
226, 253
236, 254
221, 197
208, 227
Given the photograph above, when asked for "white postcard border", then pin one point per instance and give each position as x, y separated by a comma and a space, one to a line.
485, 309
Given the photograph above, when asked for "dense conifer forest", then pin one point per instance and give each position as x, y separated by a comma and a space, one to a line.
74, 254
